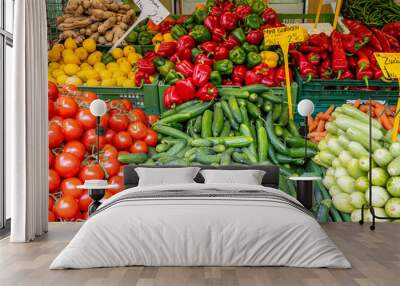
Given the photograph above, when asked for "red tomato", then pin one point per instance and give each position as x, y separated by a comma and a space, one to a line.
89, 96
66, 207
109, 151
51, 108
116, 180
69, 88
51, 203
137, 130
137, 115
54, 181
126, 103
118, 122
117, 105
152, 119
151, 138
86, 118
67, 165
56, 120
75, 148
104, 120
91, 172
109, 136
51, 159
89, 139
66, 106
69, 187
139, 147
55, 134
72, 129
52, 90
121, 171
111, 165
85, 201
108, 194
122, 140
85, 215
51, 217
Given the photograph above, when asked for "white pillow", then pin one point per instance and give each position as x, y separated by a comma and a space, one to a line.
243, 177
166, 176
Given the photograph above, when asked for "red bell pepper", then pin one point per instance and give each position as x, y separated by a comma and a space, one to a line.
314, 58
203, 59
227, 81
171, 97
320, 40
262, 69
207, 92
269, 80
185, 42
363, 61
185, 89
218, 35
280, 77
185, 68
215, 11
231, 42
228, 21
227, 6
255, 37
365, 75
252, 77
150, 55
165, 26
175, 58
221, 53
146, 66
269, 16
211, 22
201, 74
185, 55
166, 49
307, 70
141, 78
243, 10
182, 19
239, 73
339, 62
209, 47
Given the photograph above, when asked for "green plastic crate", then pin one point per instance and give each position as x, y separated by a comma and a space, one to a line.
278, 90
305, 18
54, 9
141, 49
145, 97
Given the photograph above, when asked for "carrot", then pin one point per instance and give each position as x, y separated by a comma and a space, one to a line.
379, 110
317, 134
391, 120
310, 122
321, 126
329, 110
314, 125
323, 116
357, 103
364, 108
385, 122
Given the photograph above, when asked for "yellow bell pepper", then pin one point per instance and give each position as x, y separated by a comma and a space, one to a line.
168, 38
156, 47
270, 58
158, 38
152, 78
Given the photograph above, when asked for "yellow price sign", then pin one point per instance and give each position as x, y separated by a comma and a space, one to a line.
284, 36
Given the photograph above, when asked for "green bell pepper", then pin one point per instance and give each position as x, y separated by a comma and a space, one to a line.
196, 52
178, 31
258, 6
253, 21
210, 3
253, 59
132, 37
107, 58
249, 48
237, 55
200, 34
188, 23
172, 77
199, 15
224, 67
164, 69
215, 78
159, 61
145, 38
239, 34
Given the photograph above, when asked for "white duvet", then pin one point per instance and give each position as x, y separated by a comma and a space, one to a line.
204, 231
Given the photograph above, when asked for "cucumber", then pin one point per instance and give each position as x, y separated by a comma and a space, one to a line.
253, 97
226, 130
253, 110
356, 135
299, 142
228, 115
262, 142
234, 107
226, 158
178, 147
201, 142
275, 141
219, 148
163, 147
206, 159
206, 124
197, 124
299, 152
276, 111
235, 141
182, 153
241, 158
269, 95
283, 159
284, 116
345, 122
218, 120
252, 148
272, 155
268, 106
132, 158
278, 130
359, 115
202, 150
170, 140
256, 88
233, 92
152, 151
323, 211
245, 115
293, 128
166, 130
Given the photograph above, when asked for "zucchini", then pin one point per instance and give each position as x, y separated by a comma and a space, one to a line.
206, 124
132, 158
201, 142
275, 141
218, 120
284, 116
299, 152
256, 88
252, 148
283, 159
205, 159
197, 124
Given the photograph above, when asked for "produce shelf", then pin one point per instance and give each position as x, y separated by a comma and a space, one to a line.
54, 9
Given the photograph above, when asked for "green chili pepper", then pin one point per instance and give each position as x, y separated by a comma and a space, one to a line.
239, 34
249, 48
145, 38
215, 78
165, 69
224, 67
253, 21
199, 15
237, 55
253, 59
132, 37
178, 31
196, 52
200, 34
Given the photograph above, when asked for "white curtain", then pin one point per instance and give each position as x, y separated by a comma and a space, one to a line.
26, 123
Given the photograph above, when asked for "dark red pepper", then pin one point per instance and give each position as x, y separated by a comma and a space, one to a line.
227, 82
185, 42
201, 74
228, 21
231, 42
314, 58
221, 53
393, 29
320, 40
280, 78
255, 37
182, 19
215, 11
394, 42
185, 55
370, 53
171, 97
269, 80
252, 77
166, 49
378, 74
358, 29
146, 66
347, 74
374, 42
325, 73
203, 59
363, 61
388, 42
307, 70
243, 10
365, 75
185, 68
209, 47
207, 92
165, 26
218, 35
339, 62
304, 48
352, 62
185, 89
239, 73
211, 23
141, 78
350, 43
269, 16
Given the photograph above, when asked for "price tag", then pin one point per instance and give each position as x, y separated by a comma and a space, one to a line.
390, 66
284, 36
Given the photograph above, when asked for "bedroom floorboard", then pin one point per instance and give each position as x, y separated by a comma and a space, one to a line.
375, 257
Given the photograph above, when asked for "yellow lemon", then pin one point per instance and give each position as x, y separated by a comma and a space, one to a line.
82, 75
55, 73
86, 66
74, 80
72, 59
99, 67
70, 44
129, 49
128, 83
113, 66
92, 82
117, 53
54, 66
122, 60
94, 58
71, 69
92, 74
125, 68
54, 56
81, 53
58, 47
89, 45
108, 82
133, 58
120, 81
61, 79
105, 74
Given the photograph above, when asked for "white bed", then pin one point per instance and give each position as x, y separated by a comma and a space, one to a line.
201, 225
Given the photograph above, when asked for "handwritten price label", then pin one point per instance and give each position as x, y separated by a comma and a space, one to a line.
289, 34
389, 64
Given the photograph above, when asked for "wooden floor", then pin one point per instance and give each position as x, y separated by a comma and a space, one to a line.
375, 257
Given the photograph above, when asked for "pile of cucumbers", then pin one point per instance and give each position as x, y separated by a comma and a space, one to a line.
247, 125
